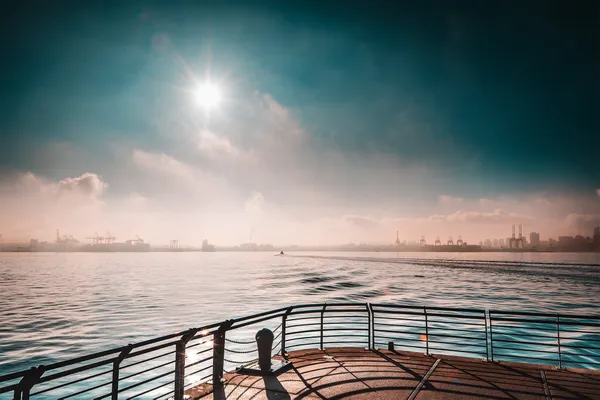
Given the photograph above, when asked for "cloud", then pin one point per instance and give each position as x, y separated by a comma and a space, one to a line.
317, 191
87, 184
32, 205
447, 199
213, 145
583, 223
361, 222
255, 203
162, 164
477, 217
180, 181
542, 201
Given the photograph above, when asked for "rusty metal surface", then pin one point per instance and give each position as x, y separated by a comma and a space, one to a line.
354, 373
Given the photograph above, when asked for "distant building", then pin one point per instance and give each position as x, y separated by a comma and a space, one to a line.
488, 243
596, 239
480, 244
597, 231
249, 246
565, 240
495, 244
501, 243
207, 246
534, 238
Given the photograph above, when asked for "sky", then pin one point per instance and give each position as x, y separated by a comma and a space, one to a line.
339, 122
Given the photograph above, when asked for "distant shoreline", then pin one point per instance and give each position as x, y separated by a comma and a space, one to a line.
296, 250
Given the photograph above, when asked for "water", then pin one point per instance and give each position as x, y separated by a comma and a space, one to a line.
56, 306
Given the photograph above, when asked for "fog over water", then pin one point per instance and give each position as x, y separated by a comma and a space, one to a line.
56, 306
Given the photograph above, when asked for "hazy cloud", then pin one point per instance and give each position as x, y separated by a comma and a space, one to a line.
583, 223
494, 217
203, 180
213, 145
254, 204
447, 199
162, 164
361, 222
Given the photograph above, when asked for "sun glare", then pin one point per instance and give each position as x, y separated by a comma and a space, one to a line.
208, 95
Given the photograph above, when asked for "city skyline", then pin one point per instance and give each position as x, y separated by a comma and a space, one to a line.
422, 119
536, 241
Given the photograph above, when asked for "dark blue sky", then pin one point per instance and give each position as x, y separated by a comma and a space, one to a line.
501, 95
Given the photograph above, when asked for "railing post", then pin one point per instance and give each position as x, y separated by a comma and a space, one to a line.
180, 362
322, 318
491, 335
487, 347
558, 339
219, 353
426, 332
31, 378
283, 327
372, 333
368, 306
115, 372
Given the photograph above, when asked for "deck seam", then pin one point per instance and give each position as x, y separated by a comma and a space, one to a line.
545, 382
416, 391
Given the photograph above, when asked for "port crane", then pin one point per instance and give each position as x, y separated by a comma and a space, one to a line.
136, 241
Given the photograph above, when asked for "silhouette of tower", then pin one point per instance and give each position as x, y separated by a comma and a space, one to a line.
438, 242
422, 242
459, 242
450, 241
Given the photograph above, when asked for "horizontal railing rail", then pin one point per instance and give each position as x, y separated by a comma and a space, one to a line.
165, 367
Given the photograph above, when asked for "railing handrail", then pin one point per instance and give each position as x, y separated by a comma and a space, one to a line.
539, 314
375, 312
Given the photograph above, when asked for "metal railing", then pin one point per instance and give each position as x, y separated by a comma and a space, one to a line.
163, 368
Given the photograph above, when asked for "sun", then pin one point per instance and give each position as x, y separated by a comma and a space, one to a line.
208, 95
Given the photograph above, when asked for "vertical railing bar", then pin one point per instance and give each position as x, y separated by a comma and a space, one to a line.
487, 349
283, 333
368, 306
426, 331
372, 325
180, 363
558, 339
491, 335
219, 353
322, 315
115, 372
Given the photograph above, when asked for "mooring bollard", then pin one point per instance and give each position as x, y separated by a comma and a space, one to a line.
391, 346
264, 342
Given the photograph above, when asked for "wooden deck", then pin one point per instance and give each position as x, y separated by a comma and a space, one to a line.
352, 373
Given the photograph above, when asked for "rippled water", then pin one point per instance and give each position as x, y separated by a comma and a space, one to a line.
55, 305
